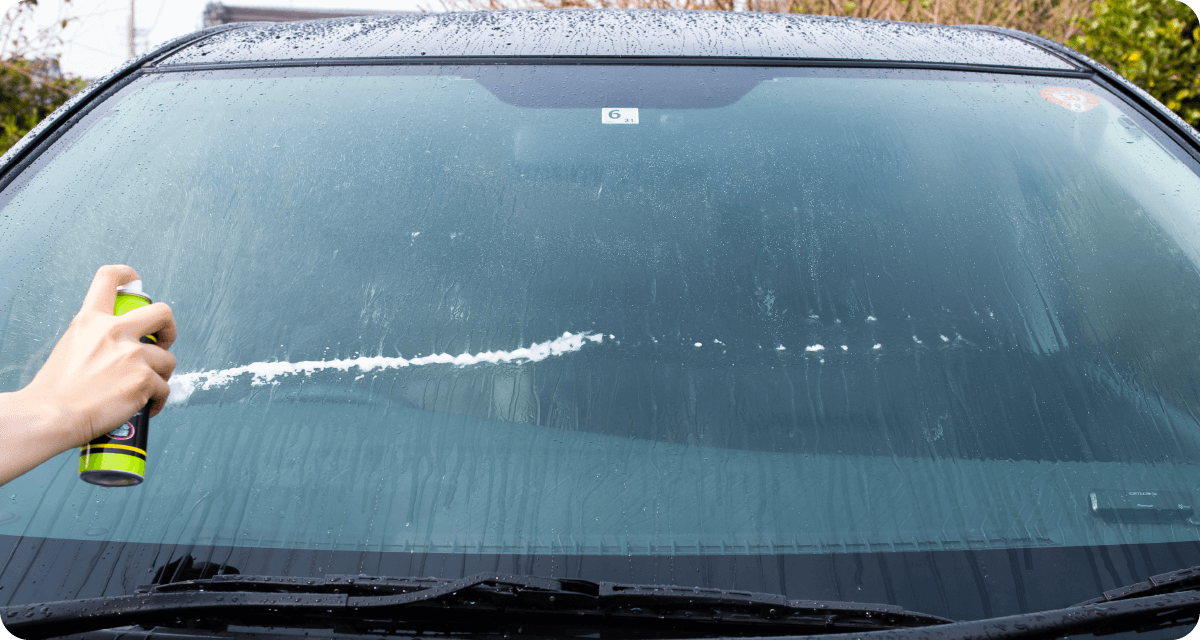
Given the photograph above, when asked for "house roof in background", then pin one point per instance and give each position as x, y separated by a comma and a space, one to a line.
220, 13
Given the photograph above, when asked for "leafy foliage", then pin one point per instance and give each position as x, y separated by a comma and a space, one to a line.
31, 83
29, 91
1153, 43
1056, 19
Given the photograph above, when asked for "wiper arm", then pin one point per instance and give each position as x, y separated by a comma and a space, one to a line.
481, 601
1135, 614
1170, 582
1164, 600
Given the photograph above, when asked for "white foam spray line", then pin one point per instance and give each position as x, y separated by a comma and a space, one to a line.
183, 385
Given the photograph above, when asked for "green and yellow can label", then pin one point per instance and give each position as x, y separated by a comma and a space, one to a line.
118, 458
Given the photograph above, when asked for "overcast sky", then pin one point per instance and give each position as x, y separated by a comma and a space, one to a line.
96, 40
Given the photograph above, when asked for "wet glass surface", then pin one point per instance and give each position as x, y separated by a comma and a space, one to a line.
435, 310
611, 32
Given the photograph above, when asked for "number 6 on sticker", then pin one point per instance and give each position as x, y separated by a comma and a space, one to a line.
618, 115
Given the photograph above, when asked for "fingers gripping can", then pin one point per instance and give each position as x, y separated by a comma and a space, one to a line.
118, 458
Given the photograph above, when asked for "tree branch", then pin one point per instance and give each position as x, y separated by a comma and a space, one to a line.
40, 81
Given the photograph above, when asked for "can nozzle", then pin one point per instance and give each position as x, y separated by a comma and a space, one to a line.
131, 287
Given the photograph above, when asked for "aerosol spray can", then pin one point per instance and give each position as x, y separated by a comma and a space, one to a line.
118, 458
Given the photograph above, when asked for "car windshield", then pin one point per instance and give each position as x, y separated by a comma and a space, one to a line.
625, 310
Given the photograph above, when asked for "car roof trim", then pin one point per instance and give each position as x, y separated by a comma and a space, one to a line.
618, 32
836, 63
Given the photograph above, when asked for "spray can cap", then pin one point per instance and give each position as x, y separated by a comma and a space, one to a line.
134, 287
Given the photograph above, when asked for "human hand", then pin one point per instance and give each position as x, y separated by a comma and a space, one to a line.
99, 374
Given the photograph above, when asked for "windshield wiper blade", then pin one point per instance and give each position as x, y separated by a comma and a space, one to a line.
491, 601
481, 601
366, 603
1165, 600
1147, 613
1170, 582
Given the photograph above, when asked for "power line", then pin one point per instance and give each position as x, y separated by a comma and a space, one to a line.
80, 23
93, 49
161, 4
94, 13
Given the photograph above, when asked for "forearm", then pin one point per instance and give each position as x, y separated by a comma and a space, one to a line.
33, 430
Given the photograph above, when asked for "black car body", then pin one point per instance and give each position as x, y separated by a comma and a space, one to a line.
536, 313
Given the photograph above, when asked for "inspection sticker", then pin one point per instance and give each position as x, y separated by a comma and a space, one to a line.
1070, 99
618, 115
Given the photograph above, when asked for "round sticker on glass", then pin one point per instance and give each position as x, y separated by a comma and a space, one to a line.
1070, 99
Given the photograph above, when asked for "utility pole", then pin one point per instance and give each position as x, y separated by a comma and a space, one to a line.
132, 32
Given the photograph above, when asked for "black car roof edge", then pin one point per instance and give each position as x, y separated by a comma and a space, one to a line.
1185, 134
23, 152
167, 49
629, 60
